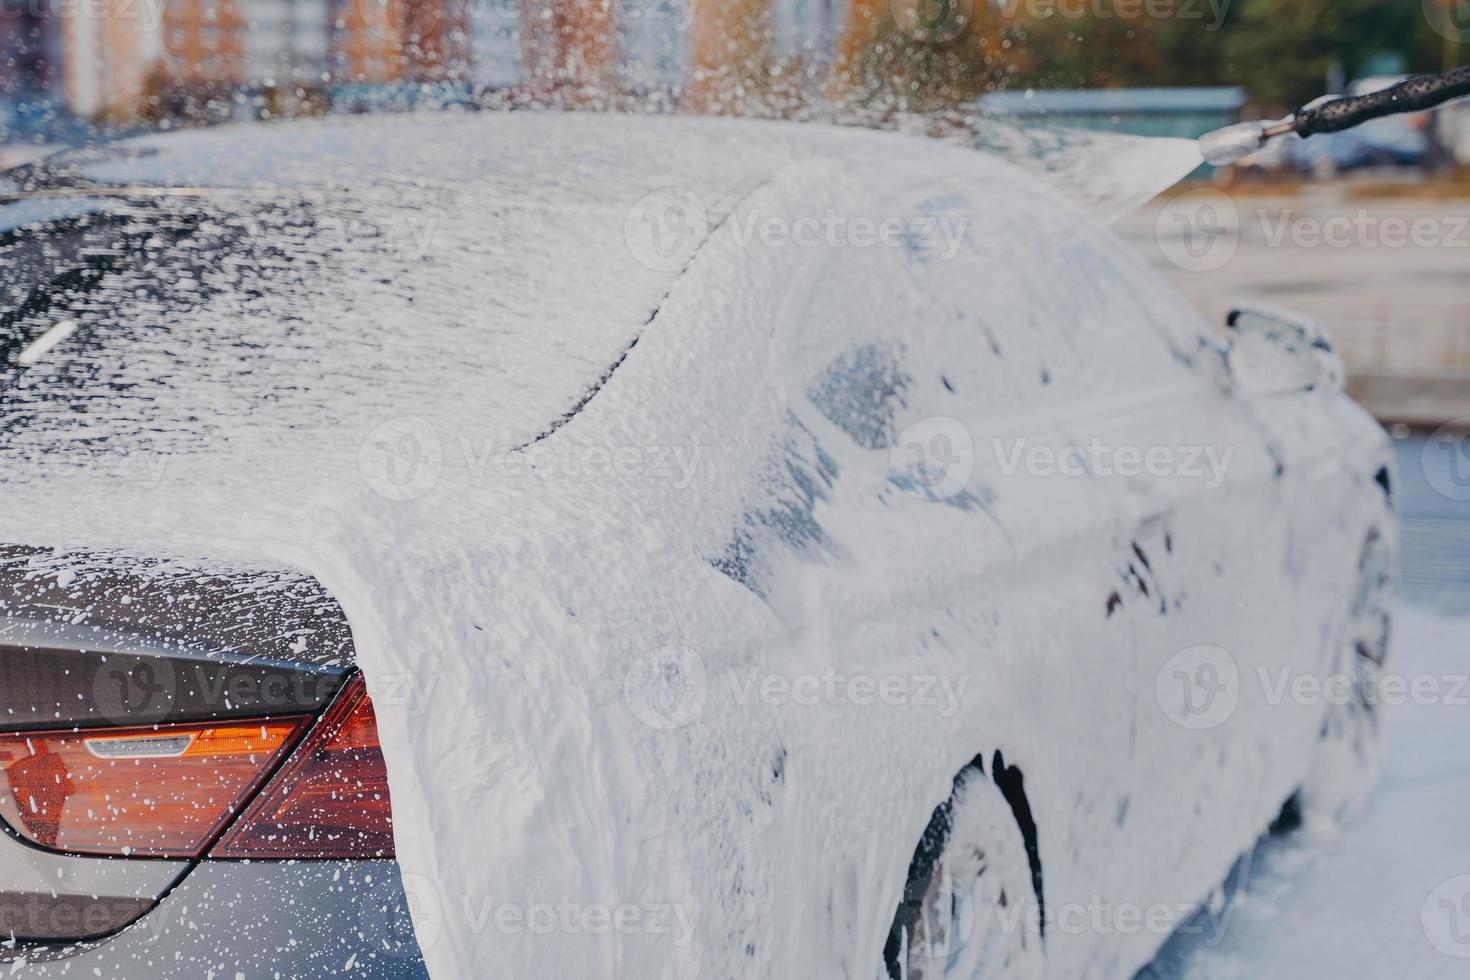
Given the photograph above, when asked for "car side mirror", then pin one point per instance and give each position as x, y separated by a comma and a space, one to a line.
1277, 352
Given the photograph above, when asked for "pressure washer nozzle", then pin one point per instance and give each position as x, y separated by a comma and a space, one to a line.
1226, 146
1331, 114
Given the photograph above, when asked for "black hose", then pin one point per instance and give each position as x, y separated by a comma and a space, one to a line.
1414, 94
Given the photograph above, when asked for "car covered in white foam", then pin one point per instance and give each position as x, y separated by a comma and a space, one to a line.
772, 551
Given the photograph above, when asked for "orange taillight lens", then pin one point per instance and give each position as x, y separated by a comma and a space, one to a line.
330, 800
160, 791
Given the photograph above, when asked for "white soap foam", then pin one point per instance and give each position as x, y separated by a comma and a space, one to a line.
464, 443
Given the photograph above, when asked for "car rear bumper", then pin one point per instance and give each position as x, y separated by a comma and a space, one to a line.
253, 920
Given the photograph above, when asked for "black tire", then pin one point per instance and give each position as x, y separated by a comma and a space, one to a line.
969, 909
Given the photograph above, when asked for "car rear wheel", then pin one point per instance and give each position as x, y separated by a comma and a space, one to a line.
1350, 752
969, 909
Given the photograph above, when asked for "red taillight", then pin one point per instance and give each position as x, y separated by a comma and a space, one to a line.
169, 790
161, 791
329, 801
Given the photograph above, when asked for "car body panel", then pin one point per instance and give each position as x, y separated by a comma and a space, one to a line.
49, 897
312, 919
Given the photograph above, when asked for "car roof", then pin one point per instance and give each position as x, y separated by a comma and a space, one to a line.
479, 262
627, 150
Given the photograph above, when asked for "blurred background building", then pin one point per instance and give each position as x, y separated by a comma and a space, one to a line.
1179, 64
123, 61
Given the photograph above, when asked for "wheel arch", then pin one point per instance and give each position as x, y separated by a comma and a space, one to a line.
1011, 782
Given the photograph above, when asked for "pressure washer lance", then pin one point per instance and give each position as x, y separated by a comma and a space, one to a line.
1416, 94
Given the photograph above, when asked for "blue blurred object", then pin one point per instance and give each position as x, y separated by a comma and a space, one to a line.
1186, 113
40, 119
1183, 112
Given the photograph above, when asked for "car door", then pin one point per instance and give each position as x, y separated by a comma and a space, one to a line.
1038, 443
